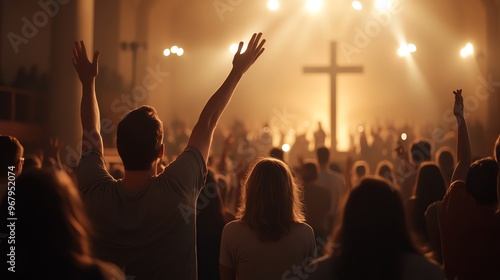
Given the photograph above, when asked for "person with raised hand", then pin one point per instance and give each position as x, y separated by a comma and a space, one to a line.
145, 223
469, 221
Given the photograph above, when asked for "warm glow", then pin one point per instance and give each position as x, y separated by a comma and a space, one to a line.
273, 5
360, 129
285, 148
406, 49
404, 136
314, 5
174, 49
166, 52
357, 5
180, 51
467, 51
382, 4
234, 48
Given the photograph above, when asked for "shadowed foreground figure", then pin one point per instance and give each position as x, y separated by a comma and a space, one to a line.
374, 240
52, 231
145, 223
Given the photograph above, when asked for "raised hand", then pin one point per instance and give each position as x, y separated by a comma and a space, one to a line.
458, 107
87, 71
243, 61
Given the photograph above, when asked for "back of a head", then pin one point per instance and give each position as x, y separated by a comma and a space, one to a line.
430, 184
361, 168
482, 181
309, 172
11, 152
53, 223
385, 170
269, 186
139, 138
420, 152
277, 153
446, 162
323, 156
374, 233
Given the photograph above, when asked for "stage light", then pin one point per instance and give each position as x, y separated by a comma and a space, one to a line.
166, 52
357, 5
314, 6
174, 49
467, 51
360, 128
406, 49
285, 148
273, 5
382, 4
404, 136
234, 48
180, 51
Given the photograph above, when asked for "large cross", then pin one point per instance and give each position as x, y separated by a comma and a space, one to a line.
333, 70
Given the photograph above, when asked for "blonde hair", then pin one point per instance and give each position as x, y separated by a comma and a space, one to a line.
271, 199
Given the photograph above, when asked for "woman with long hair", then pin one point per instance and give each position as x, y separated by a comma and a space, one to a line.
52, 231
269, 238
374, 240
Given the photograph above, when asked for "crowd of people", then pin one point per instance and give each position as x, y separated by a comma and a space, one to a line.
417, 215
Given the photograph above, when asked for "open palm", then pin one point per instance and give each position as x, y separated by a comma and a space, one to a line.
87, 71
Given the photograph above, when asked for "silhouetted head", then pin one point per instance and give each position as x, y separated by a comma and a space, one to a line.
446, 162
420, 152
11, 154
277, 153
385, 169
429, 188
323, 156
271, 199
53, 221
140, 138
482, 181
373, 234
361, 168
309, 172
32, 161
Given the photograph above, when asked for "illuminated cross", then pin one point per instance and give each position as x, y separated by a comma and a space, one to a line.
333, 70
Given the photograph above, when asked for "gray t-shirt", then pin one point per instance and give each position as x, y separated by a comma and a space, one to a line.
242, 250
149, 232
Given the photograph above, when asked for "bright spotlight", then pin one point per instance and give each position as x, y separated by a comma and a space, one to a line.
174, 49
234, 48
357, 5
166, 52
404, 136
406, 49
273, 5
180, 51
467, 51
382, 4
285, 148
314, 6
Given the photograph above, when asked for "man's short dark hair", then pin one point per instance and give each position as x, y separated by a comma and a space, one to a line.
323, 155
139, 138
11, 151
277, 153
482, 181
420, 152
